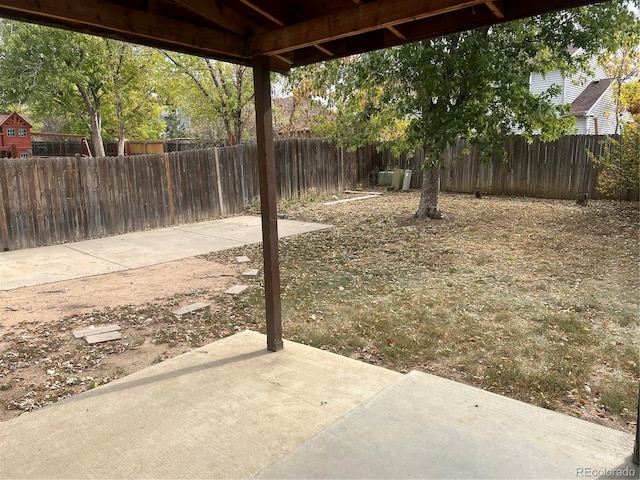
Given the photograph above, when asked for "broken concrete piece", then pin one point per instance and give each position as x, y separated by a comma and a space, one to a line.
252, 273
190, 308
95, 330
351, 199
237, 289
103, 337
243, 259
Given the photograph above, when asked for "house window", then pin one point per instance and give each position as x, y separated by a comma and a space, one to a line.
22, 132
11, 132
24, 155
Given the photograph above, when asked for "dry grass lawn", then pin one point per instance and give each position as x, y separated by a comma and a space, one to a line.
533, 299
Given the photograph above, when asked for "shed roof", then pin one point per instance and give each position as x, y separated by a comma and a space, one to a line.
289, 32
4, 117
590, 96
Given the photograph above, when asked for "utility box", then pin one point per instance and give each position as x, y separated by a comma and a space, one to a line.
384, 178
396, 180
406, 181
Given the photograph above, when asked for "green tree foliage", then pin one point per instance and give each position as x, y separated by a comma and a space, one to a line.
135, 109
95, 85
215, 95
473, 85
620, 162
623, 66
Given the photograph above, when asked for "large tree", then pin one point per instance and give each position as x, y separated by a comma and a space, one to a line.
82, 79
472, 85
134, 109
211, 93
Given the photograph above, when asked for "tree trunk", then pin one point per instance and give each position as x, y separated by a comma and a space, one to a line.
430, 194
95, 121
121, 144
96, 135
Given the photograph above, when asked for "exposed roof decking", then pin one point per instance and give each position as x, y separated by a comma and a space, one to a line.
291, 33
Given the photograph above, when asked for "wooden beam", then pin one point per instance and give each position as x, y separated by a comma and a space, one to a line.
110, 19
252, 5
219, 14
396, 32
278, 21
497, 7
446, 24
268, 201
390, 28
352, 21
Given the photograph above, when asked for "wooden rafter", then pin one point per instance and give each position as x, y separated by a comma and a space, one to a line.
497, 7
251, 4
352, 21
217, 13
393, 30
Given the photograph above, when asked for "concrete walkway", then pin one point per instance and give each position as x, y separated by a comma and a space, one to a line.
36, 266
233, 410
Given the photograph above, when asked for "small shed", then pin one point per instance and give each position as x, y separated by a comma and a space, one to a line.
15, 136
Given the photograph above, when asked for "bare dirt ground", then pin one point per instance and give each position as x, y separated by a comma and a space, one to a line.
40, 360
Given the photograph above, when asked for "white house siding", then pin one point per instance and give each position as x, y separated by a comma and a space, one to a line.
604, 110
574, 85
540, 83
583, 125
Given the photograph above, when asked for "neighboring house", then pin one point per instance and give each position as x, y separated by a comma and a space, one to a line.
590, 95
15, 136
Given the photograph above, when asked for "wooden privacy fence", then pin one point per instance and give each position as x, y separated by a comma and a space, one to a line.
560, 169
45, 201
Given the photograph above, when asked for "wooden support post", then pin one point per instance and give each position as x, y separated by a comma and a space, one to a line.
268, 201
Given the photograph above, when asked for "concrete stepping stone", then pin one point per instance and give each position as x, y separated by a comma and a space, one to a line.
95, 330
103, 337
252, 273
237, 289
194, 307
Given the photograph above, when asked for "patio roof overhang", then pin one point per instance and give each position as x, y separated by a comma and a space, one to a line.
274, 35
290, 33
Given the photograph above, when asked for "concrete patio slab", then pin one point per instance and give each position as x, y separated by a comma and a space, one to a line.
37, 266
424, 426
233, 410
226, 410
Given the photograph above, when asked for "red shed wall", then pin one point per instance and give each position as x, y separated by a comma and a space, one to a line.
22, 144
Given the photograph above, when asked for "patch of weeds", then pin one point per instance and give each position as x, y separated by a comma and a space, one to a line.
502, 316
619, 397
627, 319
6, 386
565, 327
157, 359
622, 357
166, 336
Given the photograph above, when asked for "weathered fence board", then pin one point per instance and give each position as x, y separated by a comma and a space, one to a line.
46, 201
561, 169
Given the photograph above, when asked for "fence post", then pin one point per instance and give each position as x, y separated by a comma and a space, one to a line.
4, 230
167, 169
